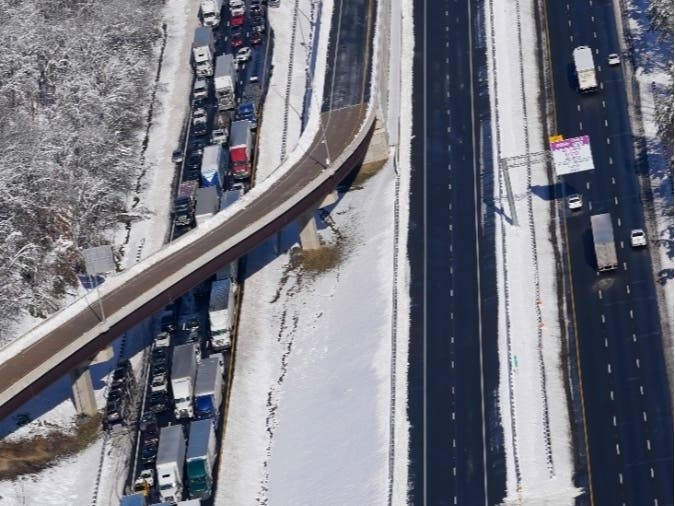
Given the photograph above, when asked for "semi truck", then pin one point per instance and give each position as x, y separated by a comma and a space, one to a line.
203, 47
247, 110
184, 203
137, 499
211, 12
221, 128
221, 314
213, 166
207, 204
585, 69
240, 149
183, 372
229, 197
209, 387
170, 462
225, 81
201, 456
603, 242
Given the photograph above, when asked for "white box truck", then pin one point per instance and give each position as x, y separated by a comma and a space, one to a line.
225, 81
183, 373
207, 204
603, 242
585, 69
201, 456
221, 314
170, 462
209, 387
203, 47
211, 12
213, 166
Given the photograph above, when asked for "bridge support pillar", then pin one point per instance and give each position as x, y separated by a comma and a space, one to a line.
83, 390
309, 237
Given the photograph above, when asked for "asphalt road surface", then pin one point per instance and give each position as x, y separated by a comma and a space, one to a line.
456, 443
626, 400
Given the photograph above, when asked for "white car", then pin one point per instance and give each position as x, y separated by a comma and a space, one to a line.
638, 238
243, 54
147, 476
613, 59
575, 202
199, 116
159, 383
163, 340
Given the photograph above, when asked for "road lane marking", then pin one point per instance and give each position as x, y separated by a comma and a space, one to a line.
642, 390
618, 449
602, 317
604, 106
588, 185
600, 294
649, 445
621, 478
581, 126
616, 201
625, 266
637, 362
628, 289
606, 343
631, 314
611, 394
634, 338
644, 416
609, 368
608, 141
614, 420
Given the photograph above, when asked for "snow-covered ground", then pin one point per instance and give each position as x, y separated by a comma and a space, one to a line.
532, 399
651, 61
308, 420
78, 479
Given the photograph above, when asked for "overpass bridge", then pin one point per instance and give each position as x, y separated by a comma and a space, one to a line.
346, 124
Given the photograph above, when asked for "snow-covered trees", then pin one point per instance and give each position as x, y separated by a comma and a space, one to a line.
75, 80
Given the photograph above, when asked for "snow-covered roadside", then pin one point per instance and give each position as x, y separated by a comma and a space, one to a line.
153, 210
650, 64
293, 40
308, 420
532, 397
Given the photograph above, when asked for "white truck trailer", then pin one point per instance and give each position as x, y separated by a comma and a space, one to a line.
585, 69
201, 456
603, 242
209, 387
207, 204
225, 81
183, 373
170, 462
211, 12
221, 314
203, 49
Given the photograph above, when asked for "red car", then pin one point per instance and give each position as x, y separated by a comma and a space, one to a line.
236, 38
255, 38
237, 20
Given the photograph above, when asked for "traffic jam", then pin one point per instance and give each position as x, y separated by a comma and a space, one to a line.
178, 416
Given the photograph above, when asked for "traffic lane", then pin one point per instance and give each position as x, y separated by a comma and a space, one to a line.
339, 133
597, 384
349, 42
455, 470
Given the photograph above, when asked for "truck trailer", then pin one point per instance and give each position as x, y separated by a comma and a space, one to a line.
221, 314
603, 242
213, 166
201, 456
207, 204
184, 203
170, 462
240, 149
211, 12
137, 499
209, 387
203, 48
585, 69
225, 81
183, 373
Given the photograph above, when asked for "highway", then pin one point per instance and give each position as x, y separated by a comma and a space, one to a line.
456, 443
627, 406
